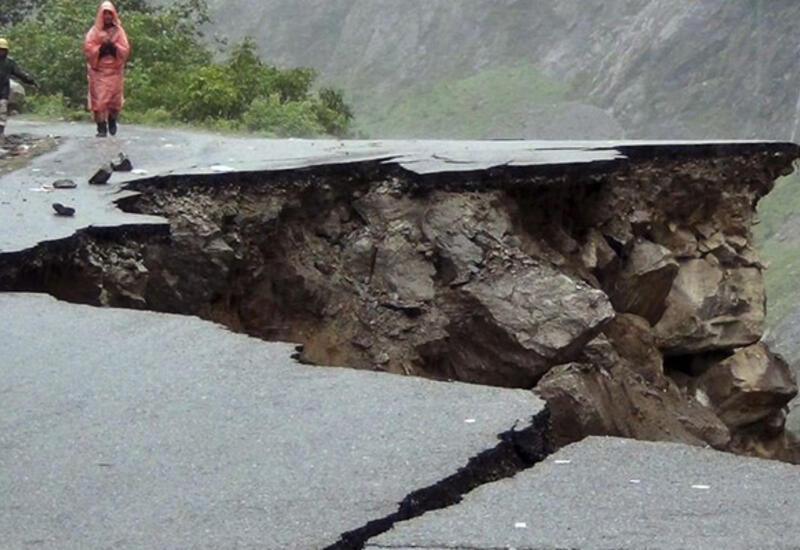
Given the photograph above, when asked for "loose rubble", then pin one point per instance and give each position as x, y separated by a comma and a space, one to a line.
124, 164
17, 149
64, 184
61, 210
102, 175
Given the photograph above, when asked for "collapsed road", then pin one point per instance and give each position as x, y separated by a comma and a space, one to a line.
617, 280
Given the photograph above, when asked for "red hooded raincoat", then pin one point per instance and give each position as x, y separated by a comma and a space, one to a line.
106, 72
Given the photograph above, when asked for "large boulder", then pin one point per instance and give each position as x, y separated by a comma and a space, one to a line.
544, 310
401, 274
586, 400
633, 341
455, 224
749, 387
711, 307
513, 326
681, 241
645, 281
596, 253
16, 101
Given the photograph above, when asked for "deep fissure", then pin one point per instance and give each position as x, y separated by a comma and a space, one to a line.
516, 452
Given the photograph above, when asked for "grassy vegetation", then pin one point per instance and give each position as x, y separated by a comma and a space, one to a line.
463, 107
778, 240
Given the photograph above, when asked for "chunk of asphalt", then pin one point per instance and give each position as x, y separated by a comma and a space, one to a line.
61, 210
64, 184
583, 497
223, 438
102, 175
123, 165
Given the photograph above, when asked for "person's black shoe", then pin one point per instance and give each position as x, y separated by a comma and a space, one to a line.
112, 126
102, 129
62, 210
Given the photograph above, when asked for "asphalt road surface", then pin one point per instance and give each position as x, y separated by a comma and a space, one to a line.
604, 494
26, 216
136, 430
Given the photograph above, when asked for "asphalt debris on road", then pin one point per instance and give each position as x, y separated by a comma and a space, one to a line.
123, 165
61, 210
64, 184
102, 175
18, 149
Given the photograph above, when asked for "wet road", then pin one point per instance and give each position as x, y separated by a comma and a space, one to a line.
626, 495
26, 216
135, 430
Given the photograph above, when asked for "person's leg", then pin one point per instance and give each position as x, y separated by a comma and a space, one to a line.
3, 117
102, 123
112, 122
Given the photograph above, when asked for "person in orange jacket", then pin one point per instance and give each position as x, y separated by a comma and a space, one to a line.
106, 48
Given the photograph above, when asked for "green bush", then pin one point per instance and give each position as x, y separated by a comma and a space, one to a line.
210, 93
13, 11
332, 111
155, 117
293, 118
171, 75
51, 106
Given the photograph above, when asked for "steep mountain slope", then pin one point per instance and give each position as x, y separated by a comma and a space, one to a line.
660, 67
778, 240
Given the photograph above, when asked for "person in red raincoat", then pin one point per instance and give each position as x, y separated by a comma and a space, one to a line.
106, 49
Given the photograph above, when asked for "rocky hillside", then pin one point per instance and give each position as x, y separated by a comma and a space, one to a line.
654, 68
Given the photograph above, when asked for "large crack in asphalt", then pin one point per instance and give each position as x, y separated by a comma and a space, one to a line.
517, 451
82, 268
47, 267
372, 268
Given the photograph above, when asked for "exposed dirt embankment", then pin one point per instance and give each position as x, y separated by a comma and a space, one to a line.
630, 296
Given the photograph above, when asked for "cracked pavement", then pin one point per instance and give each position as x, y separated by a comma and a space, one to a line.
132, 429
129, 429
26, 216
606, 493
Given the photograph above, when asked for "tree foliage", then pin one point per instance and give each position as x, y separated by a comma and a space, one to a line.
172, 74
14, 11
